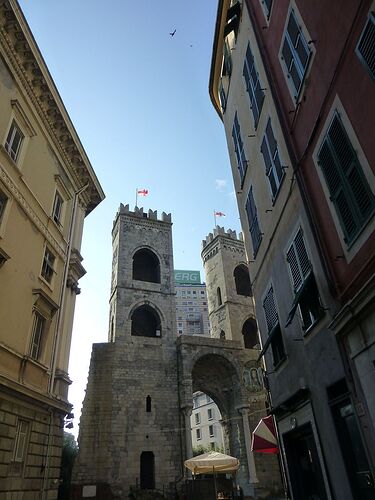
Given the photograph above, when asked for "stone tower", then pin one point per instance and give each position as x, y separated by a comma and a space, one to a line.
130, 426
229, 295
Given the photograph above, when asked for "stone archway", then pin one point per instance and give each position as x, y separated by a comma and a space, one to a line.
217, 367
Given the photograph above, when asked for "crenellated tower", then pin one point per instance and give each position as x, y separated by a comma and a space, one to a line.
229, 294
130, 426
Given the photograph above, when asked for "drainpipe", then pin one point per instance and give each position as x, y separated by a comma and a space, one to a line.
56, 338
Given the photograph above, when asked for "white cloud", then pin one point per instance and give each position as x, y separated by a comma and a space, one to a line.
220, 184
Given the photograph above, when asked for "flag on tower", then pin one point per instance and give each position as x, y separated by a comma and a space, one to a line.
142, 192
219, 214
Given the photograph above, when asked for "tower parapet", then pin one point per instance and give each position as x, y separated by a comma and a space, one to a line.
138, 212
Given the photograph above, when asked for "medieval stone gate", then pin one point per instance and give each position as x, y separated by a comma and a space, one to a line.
135, 430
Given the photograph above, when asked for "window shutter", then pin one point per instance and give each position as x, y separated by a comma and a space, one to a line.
256, 235
347, 185
266, 156
303, 258
270, 311
366, 45
298, 260
291, 258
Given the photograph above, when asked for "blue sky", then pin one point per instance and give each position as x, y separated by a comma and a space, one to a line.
140, 104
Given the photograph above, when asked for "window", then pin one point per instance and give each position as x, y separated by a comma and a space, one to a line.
250, 334
48, 263
3, 202
208, 399
146, 266
253, 87
347, 185
148, 404
197, 418
306, 292
210, 414
233, 19
222, 334
238, 148
274, 170
37, 335
227, 63
198, 434
274, 331
267, 4
57, 208
242, 281
145, 322
218, 296
14, 141
20, 442
295, 54
211, 431
252, 217
366, 46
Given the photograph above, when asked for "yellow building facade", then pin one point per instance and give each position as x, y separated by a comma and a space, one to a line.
47, 187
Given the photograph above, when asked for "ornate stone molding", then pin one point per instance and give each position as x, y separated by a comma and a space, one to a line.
35, 219
23, 56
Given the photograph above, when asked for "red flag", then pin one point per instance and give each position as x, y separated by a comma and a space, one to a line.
142, 192
219, 214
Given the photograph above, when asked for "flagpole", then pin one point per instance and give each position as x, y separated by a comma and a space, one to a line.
136, 196
215, 219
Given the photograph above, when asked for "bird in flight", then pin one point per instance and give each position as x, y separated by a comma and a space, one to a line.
173, 32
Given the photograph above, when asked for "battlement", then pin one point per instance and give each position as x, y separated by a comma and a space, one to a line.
138, 212
220, 231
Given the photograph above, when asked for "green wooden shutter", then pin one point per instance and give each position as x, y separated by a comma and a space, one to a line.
348, 188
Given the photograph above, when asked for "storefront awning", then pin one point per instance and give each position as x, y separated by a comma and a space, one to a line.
264, 437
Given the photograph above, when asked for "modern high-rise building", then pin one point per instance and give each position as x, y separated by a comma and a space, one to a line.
191, 304
293, 83
47, 188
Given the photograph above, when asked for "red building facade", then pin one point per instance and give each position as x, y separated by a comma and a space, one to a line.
320, 62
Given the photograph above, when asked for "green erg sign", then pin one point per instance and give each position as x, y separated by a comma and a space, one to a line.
187, 277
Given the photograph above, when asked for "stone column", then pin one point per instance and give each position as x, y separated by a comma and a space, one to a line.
244, 411
188, 441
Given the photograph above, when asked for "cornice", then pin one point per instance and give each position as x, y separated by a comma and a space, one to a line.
24, 58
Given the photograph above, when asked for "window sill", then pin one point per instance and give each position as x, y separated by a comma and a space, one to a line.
45, 282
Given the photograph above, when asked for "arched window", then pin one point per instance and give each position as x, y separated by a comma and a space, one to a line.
145, 322
222, 334
242, 281
146, 266
250, 334
147, 470
148, 404
219, 300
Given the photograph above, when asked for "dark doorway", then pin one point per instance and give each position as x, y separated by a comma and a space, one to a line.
304, 468
250, 334
146, 322
147, 470
242, 280
351, 443
146, 266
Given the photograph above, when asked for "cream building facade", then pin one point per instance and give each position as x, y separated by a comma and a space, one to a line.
47, 187
206, 428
